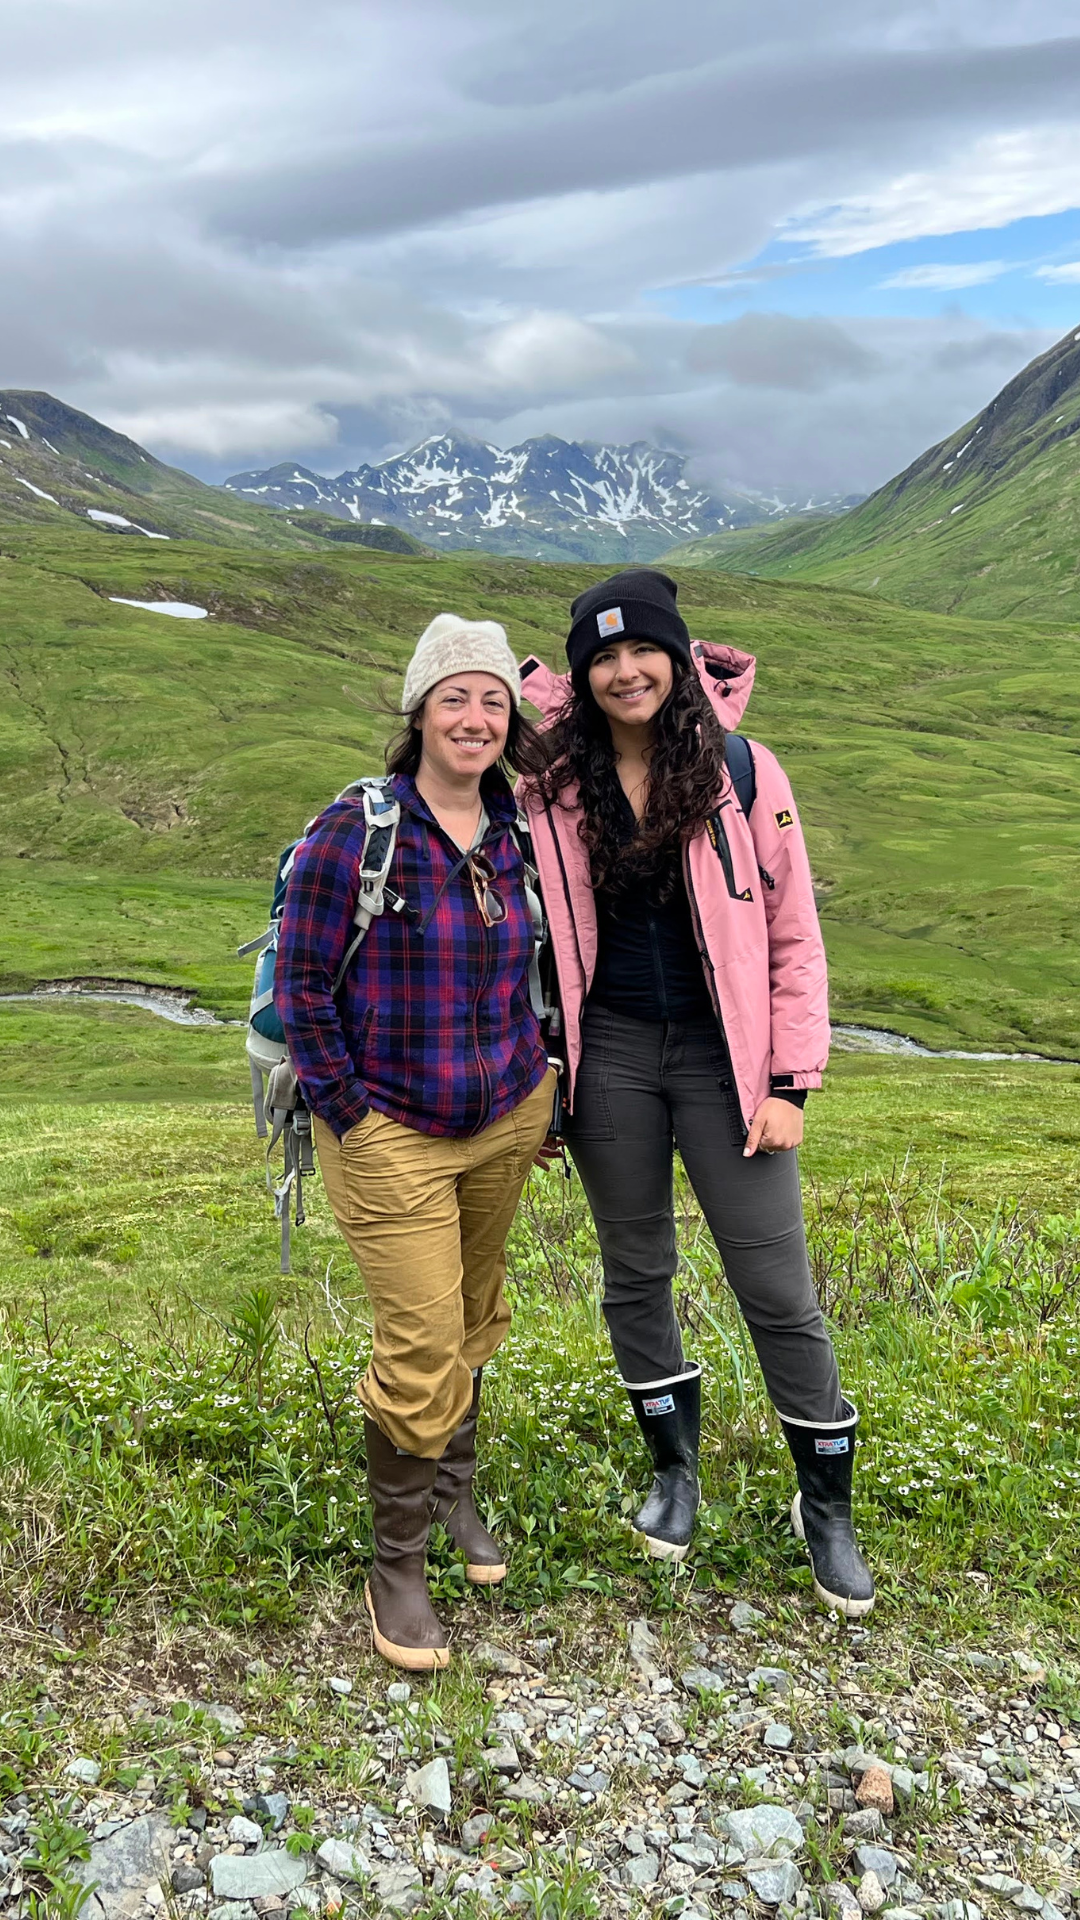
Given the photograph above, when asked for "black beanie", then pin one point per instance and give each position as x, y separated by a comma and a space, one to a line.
638, 604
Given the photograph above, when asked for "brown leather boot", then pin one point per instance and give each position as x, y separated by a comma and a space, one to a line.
406, 1630
454, 1506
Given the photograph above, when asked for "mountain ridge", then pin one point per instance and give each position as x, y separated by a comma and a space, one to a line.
987, 520
58, 464
546, 498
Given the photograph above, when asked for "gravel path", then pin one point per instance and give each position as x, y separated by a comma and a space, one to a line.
782, 1767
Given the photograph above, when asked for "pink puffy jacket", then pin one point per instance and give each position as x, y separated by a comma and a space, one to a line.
753, 901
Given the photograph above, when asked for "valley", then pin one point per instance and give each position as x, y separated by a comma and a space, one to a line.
154, 767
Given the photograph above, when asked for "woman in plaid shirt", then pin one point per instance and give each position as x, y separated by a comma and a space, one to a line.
431, 1096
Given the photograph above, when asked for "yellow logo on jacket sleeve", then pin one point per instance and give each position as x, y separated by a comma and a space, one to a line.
785, 817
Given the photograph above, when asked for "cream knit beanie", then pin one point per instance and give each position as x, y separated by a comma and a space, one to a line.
452, 645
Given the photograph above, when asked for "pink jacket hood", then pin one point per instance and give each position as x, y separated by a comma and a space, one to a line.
750, 886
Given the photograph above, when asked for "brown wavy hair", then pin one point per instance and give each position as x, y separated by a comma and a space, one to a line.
686, 773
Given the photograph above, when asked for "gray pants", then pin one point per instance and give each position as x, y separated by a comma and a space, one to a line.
642, 1088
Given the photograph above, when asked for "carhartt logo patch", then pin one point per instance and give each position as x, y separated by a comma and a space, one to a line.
664, 1403
611, 621
840, 1444
785, 817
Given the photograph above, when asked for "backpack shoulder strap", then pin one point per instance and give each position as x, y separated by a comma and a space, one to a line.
382, 813
740, 765
521, 834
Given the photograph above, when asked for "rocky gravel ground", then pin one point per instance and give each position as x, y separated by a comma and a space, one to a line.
731, 1763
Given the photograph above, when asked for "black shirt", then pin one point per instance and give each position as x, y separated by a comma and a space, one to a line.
648, 962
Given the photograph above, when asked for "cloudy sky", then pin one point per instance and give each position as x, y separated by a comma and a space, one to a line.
801, 242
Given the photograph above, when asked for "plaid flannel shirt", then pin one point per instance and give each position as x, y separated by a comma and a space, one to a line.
432, 1024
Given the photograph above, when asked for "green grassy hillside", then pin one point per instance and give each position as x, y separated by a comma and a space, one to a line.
988, 522
753, 550
59, 465
151, 768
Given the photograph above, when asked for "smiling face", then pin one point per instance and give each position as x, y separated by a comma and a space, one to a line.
630, 680
463, 725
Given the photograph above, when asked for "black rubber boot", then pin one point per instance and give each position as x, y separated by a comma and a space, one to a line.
669, 1415
454, 1506
407, 1632
824, 1459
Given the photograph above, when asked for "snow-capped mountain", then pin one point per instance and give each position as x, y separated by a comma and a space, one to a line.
548, 498
59, 467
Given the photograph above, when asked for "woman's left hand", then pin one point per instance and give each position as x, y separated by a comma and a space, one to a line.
549, 1153
778, 1126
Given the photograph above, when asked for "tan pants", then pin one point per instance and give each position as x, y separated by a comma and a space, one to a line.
426, 1220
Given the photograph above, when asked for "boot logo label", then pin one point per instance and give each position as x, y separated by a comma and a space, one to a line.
839, 1445
664, 1403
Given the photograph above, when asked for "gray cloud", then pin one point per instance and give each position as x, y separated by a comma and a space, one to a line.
254, 232
607, 47
825, 440
750, 110
780, 350
990, 356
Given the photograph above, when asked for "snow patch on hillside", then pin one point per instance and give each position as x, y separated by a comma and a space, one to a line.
177, 609
40, 491
118, 520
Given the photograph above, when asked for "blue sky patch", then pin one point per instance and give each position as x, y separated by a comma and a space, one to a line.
1015, 275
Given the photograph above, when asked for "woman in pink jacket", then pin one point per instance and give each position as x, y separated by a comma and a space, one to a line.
694, 1001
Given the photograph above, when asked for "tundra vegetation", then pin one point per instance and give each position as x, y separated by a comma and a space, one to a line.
179, 1448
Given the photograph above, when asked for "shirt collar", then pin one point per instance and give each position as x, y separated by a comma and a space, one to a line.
494, 792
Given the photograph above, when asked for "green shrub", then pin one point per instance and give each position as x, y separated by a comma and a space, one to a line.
29, 1454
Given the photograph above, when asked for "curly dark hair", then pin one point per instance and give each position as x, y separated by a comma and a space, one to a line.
686, 773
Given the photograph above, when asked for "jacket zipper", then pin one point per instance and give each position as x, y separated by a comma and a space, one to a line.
714, 826
710, 974
569, 903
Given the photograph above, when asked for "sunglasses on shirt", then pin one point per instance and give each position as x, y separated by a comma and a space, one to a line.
489, 900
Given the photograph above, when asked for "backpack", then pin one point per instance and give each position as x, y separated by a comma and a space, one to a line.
740, 765
275, 1089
